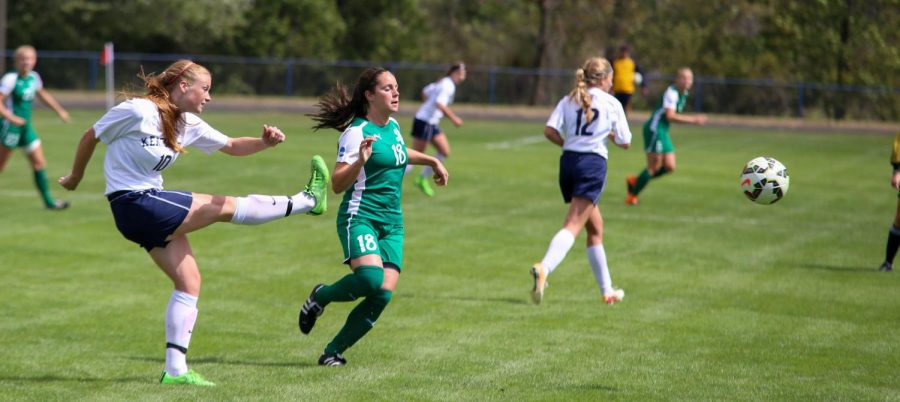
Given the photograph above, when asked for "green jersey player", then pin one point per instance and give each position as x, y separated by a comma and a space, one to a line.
17, 92
372, 158
657, 144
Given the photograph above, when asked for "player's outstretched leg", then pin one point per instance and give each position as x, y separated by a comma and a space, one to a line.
310, 311
318, 185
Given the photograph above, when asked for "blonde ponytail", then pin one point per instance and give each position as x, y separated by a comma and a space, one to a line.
594, 70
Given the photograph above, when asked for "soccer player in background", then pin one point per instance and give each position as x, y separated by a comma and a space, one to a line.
144, 136
437, 97
624, 69
893, 240
369, 170
657, 143
582, 124
17, 92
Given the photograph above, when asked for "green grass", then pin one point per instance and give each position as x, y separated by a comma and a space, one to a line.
725, 300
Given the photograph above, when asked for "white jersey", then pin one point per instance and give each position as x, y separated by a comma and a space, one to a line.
441, 92
590, 137
136, 154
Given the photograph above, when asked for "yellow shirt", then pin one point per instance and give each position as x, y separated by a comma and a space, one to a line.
623, 75
895, 155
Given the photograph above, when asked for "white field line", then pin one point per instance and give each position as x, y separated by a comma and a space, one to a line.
516, 143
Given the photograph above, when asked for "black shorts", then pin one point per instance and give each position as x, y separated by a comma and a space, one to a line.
581, 175
425, 131
623, 98
148, 217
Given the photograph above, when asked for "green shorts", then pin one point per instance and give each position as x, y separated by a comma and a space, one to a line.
658, 142
17, 137
360, 236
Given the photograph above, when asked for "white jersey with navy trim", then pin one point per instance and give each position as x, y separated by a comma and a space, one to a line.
136, 154
441, 92
579, 135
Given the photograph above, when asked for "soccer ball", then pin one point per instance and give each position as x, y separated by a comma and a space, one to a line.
638, 78
765, 180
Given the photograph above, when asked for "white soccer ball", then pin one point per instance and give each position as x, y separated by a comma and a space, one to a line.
765, 180
638, 78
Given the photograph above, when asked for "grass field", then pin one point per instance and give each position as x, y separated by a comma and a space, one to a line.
725, 299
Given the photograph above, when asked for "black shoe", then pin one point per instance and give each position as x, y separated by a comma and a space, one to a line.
310, 311
886, 267
58, 205
332, 359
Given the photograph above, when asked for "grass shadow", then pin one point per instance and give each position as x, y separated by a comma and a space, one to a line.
839, 268
56, 378
508, 300
219, 360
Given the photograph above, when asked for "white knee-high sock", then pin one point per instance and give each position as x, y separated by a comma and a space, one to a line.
255, 209
558, 249
409, 168
181, 314
597, 257
427, 171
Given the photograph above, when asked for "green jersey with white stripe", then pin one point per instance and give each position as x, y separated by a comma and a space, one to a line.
20, 92
375, 194
671, 99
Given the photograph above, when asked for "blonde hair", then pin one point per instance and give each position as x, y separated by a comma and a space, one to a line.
22, 49
594, 70
159, 87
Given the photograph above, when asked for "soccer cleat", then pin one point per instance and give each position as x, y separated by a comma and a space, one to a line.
631, 199
886, 267
630, 181
422, 183
616, 296
58, 205
189, 378
310, 311
332, 359
318, 185
539, 273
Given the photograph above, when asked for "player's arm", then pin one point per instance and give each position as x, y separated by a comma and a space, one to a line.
344, 174
676, 117
7, 114
243, 146
441, 176
82, 156
895, 162
48, 100
449, 113
553, 135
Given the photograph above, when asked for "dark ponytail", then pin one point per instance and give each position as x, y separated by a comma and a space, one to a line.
337, 109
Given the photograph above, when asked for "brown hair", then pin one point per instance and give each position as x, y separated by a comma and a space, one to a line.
337, 110
159, 87
594, 70
459, 65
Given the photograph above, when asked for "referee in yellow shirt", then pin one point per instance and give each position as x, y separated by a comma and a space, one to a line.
624, 74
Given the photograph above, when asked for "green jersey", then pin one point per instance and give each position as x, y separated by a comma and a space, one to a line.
375, 194
671, 99
20, 92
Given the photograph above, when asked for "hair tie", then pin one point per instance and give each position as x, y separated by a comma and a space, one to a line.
170, 81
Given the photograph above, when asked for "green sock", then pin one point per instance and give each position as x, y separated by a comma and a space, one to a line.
40, 179
360, 321
642, 181
661, 172
366, 280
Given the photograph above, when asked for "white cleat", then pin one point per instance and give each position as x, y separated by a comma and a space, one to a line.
540, 282
616, 296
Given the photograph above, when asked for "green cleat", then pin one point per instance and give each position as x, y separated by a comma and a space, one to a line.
422, 183
318, 185
189, 378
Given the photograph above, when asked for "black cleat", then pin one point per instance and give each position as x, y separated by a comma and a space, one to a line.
310, 311
332, 359
58, 205
886, 267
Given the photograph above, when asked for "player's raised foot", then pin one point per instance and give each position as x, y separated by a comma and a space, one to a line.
630, 181
631, 199
310, 311
58, 205
423, 184
886, 267
189, 378
332, 359
616, 296
318, 185
539, 273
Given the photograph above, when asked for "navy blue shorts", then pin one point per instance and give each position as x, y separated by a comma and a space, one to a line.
623, 98
148, 217
425, 131
581, 175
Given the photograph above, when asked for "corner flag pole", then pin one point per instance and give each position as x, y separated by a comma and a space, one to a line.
106, 59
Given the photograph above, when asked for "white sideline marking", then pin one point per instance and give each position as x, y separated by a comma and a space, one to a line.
515, 143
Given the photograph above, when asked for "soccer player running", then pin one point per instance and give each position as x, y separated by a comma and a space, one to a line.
17, 92
657, 143
144, 136
582, 124
437, 98
369, 171
893, 240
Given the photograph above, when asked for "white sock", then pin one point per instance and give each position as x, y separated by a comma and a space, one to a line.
409, 168
558, 249
255, 209
427, 171
181, 314
597, 257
